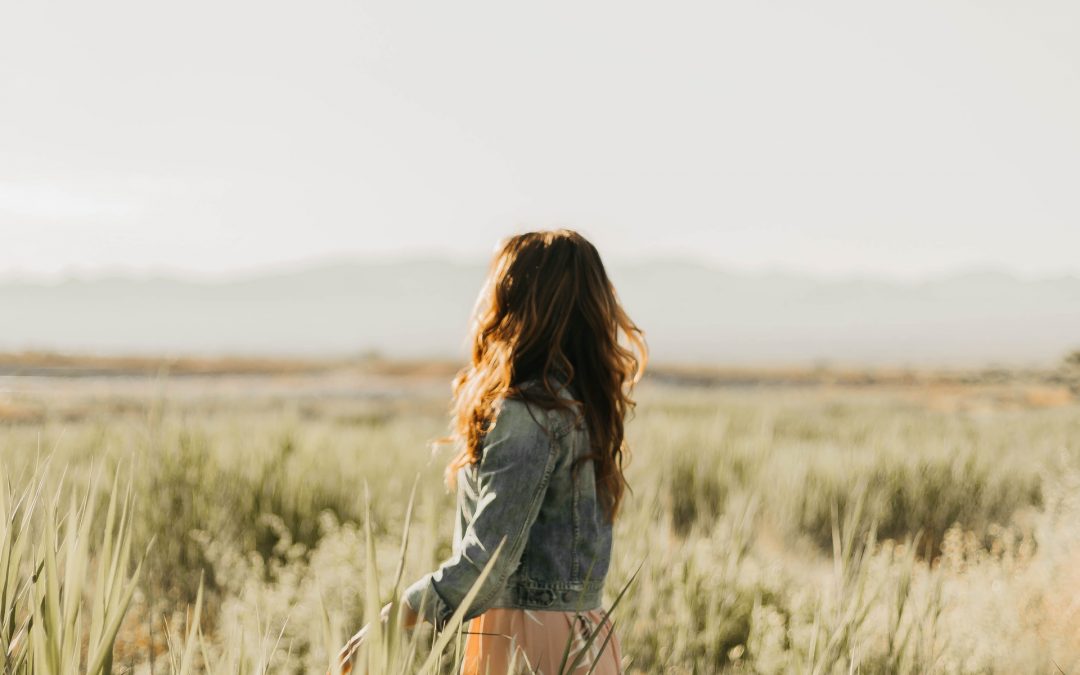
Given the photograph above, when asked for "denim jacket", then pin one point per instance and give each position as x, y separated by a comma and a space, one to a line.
557, 537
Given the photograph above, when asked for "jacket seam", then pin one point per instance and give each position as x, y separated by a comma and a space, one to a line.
575, 518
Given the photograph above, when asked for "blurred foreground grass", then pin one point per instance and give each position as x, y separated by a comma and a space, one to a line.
781, 529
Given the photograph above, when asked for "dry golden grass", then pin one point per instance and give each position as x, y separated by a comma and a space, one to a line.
772, 521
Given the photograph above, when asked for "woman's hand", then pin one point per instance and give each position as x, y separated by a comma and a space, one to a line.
346, 658
409, 617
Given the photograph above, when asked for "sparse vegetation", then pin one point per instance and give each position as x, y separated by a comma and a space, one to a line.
779, 529
1070, 371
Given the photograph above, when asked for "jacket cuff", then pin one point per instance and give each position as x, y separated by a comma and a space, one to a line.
424, 599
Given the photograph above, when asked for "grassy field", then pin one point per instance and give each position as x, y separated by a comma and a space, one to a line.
782, 522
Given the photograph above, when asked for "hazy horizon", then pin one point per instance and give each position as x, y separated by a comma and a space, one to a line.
272, 269
421, 308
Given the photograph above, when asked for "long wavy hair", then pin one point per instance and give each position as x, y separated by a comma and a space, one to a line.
548, 310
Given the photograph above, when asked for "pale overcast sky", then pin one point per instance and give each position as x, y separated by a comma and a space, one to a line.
214, 136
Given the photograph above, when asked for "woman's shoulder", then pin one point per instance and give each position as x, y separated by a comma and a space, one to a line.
533, 401
519, 414
520, 430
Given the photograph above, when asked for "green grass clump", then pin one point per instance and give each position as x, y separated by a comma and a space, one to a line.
66, 585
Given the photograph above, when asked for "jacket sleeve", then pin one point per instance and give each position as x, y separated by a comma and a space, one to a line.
519, 454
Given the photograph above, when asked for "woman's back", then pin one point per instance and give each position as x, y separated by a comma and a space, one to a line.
542, 603
529, 488
567, 548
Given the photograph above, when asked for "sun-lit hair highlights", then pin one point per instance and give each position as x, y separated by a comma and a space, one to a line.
547, 309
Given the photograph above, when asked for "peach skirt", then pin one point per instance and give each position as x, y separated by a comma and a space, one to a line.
501, 641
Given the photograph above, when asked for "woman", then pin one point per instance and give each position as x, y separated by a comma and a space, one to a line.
538, 421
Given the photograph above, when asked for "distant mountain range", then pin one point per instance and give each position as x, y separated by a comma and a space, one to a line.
690, 312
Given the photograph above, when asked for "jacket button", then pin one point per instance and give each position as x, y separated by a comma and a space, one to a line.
567, 596
547, 597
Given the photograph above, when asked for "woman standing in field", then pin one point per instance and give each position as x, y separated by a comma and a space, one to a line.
538, 421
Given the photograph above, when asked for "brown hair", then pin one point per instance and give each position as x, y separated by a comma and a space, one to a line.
547, 309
